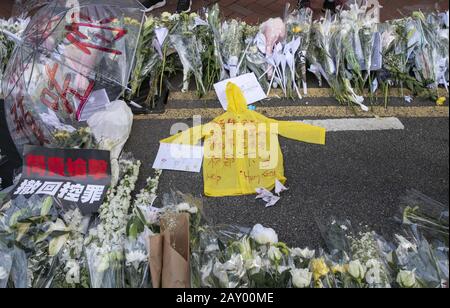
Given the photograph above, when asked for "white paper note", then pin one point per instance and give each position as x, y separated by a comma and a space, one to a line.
179, 157
249, 85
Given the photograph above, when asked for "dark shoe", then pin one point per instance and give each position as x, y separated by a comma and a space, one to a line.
304, 4
153, 4
184, 6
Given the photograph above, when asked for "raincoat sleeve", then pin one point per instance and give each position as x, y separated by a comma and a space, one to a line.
191, 136
302, 132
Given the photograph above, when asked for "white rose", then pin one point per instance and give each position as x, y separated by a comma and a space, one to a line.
407, 279
356, 270
303, 253
3, 273
301, 278
264, 235
274, 254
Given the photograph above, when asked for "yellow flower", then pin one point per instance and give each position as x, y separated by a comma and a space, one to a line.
441, 101
319, 268
339, 269
297, 29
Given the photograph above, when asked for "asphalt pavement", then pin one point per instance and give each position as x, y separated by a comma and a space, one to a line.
357, 175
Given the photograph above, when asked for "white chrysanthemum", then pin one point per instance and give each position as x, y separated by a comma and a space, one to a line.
136, 257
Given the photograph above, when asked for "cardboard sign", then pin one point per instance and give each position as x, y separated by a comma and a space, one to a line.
80, 177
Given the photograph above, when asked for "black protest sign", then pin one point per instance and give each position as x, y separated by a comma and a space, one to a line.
80, 177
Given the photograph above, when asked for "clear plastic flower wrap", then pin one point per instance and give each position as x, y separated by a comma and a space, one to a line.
299, 25
137, 272
430, 217
6, 261
232, 46
188, 50
428, 261
210, 249
213, 17
106, 266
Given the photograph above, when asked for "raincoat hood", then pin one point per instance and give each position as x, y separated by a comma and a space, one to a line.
236, 100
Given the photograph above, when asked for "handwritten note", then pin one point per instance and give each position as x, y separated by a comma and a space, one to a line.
250, 87
179, 157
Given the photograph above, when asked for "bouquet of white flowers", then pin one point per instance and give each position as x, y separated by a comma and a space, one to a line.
105, 244
232, 46
184, 40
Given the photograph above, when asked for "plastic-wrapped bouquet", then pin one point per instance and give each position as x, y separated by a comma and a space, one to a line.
326, 60
299, 26
184, 40
232, 46
10, 31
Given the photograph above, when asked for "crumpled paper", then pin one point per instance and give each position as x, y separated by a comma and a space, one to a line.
269, 197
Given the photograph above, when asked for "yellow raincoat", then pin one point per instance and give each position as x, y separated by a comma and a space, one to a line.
242, 151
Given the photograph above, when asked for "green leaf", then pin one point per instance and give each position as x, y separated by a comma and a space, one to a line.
56, 244
46, 206
22, 229
15, 217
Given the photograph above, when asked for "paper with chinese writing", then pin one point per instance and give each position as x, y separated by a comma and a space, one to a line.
179, 157
249, 85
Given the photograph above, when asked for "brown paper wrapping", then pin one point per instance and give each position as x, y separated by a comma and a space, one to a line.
169, 255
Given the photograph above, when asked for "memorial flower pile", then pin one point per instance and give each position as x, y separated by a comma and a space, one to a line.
43, 245
352, 51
